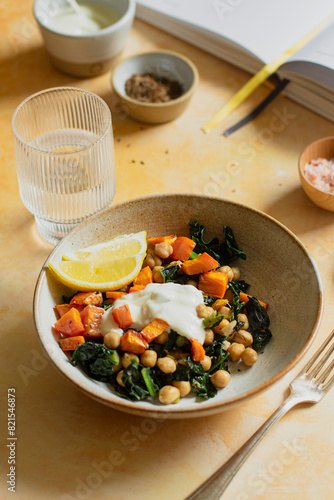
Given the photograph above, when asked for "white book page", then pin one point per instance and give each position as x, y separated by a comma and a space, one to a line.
319, 50
315, 61
267, 28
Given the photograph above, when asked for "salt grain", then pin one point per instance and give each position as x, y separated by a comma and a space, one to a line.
320, 173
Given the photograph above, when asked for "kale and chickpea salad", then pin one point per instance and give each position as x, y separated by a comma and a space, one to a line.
153, 359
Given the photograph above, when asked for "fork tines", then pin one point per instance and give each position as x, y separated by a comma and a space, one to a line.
316, 368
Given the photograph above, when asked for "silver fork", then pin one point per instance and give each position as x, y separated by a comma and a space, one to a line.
310, 385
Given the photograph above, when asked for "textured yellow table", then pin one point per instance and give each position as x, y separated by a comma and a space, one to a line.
67, 445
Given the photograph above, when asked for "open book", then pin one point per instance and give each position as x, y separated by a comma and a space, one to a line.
251, 33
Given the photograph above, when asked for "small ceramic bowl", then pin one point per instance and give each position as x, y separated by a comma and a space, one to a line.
278, 267
167, 64
85, 55
323, 148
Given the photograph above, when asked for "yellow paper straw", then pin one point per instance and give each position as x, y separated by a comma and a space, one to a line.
256, 81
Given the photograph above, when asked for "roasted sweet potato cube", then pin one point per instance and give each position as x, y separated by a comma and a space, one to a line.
197, 350
64, 308
122, 316
132, 341
71, 343
91, 320
213, 283
88, 298
70, 323
154, 329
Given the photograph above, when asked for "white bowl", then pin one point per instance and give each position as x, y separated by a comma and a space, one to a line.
89, 54
278, 267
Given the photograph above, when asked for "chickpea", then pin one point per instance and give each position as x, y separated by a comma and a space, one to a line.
163, 250
175, 263
112, 340
226, 311
167, 365
169, 394
227, 270
206, 363
209, 336
226, 345
244, 319
156, 274
249, 356
162, 338
181, 358
204, 311
117, 368
236, 273
225, 329
149, 358
220, 379
119, 378
243, 337
193, 283
183, 386
151, 259
222, 324
236, 351
219, 303
177, 354
127, 357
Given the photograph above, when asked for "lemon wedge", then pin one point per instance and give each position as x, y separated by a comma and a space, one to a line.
118, 248
86, 275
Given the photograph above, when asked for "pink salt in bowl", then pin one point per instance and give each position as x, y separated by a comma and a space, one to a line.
323, 148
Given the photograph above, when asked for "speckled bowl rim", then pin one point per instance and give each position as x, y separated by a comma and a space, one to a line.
211, 407
301, 169
159, 105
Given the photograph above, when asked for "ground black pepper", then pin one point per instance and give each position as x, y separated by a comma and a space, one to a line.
153, 89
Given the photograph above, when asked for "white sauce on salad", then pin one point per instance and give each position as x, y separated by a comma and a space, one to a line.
176, 304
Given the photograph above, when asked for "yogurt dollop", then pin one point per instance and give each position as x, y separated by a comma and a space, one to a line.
176, 304
93, 17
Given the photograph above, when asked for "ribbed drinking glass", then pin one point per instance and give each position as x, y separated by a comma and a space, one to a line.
65, 160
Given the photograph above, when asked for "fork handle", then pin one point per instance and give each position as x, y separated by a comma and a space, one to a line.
216, 484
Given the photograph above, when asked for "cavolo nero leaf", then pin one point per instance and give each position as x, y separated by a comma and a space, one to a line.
230, 247
100, 369
236, 287
210, 247
200, 380
203, 386
89, 351
96, 360
259, 323
170, 273
134, 382
225, 252
217, 354
151, 386
209, 300
169, 344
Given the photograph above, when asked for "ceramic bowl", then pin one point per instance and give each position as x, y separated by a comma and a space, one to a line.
323, 148
166, 64
278, 267
85, 55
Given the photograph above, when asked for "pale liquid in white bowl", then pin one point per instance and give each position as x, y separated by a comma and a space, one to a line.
93, 18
